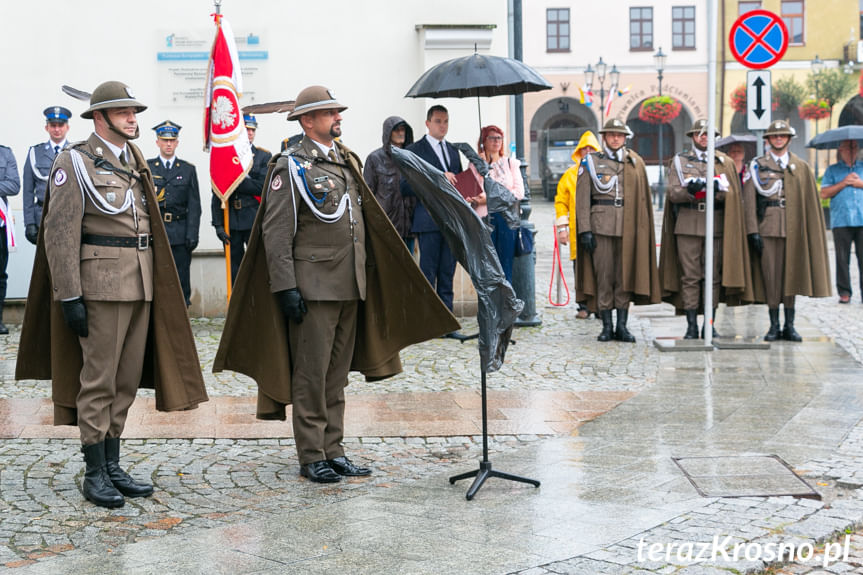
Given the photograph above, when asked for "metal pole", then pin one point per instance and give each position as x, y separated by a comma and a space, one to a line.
659, 147
711, 164
816, 129
523, 267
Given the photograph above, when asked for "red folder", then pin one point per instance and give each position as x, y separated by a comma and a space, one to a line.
467, 185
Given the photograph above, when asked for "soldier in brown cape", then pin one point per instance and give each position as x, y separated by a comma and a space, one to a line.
327, 286
681, 257
614, 212
785, 226
117, 318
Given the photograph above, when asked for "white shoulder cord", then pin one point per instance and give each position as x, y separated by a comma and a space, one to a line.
36, 173
600, 187
332, 218
753, 174
89, 190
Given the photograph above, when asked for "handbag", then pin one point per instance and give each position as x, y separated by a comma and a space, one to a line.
523, 242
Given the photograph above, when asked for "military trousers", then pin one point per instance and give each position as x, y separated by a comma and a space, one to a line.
239, 241
691, 255
183, 261
773, 270
321, 351
608, 269
113, 354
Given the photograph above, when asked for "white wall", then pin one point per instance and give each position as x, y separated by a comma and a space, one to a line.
368, 52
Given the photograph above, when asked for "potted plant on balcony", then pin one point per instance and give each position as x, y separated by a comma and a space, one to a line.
813, 109
659, 110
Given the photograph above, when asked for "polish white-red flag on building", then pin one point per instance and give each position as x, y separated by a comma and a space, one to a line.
225, 134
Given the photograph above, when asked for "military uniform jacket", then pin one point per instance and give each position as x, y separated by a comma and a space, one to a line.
736, 284
48, 349
37, 168
9, 182
800, 220
632, 221
255, 338
179, 199
244, 201
690, 219
326, 261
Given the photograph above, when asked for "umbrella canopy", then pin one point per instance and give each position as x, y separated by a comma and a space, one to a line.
831, 139
478, 75
750, 145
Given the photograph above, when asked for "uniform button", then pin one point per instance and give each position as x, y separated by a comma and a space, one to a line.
312, 258
356, 240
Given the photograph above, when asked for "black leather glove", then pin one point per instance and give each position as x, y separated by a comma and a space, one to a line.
225, 238
756, 243
716, 189
587, 242
192, 244
292, 304
694, 186
75, 314
31, 233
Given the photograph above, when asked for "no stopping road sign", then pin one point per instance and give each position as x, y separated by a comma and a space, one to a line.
758, 39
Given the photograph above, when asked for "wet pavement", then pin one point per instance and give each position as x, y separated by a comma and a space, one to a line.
600, 425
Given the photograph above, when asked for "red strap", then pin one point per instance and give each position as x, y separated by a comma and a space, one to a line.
555, 259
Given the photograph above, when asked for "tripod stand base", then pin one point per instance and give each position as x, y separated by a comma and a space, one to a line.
484, 472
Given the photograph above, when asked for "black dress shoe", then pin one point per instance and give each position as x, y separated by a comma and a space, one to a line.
320, 472
343, 466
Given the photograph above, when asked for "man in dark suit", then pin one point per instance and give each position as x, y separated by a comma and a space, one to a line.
176, 183
38, 165
436, 260
243, 203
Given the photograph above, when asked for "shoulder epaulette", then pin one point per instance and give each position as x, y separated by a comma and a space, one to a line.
266, 151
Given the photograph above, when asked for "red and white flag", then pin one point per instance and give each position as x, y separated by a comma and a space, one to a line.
225, 134
8, 226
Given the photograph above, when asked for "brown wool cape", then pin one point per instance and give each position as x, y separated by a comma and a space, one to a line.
49, 350
807, 269
736, 270
640, 275
400, 308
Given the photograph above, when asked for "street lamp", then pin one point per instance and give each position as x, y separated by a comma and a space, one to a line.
817, 66
659, 60
600, 73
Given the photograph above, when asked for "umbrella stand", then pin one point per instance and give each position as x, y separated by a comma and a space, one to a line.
485, 471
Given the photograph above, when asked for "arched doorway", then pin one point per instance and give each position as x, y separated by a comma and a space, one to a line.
554, 131
645, 140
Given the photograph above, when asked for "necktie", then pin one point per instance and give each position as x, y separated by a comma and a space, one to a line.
122, 158
56, 150
168, 165
443, 156
332, 155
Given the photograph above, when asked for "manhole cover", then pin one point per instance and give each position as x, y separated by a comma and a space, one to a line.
744, 476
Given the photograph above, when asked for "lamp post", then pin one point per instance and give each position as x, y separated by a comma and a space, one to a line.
599, 73
817, 66
659, 60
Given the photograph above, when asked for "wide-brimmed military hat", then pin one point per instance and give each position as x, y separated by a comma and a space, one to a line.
700, 126
167, 130
780, 128
315, 98
57, 115
112, 95
615, 126
250, 121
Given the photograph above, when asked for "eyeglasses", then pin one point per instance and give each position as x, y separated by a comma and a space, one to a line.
494, 138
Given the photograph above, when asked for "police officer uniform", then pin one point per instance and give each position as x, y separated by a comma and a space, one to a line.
10, 184
314, 236
242, 204
687, 189
37, 168
176, 183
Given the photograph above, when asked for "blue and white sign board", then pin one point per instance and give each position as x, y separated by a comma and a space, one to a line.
759, 99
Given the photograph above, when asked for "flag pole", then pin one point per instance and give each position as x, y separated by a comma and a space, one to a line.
227, 222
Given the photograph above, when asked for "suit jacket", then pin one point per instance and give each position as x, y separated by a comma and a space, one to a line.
37, 168
100, 273
326, 261
178, 195
422, 221
243, 203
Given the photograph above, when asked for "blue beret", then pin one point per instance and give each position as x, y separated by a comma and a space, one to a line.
57, 114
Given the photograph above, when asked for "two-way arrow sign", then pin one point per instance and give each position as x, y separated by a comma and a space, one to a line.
759, 95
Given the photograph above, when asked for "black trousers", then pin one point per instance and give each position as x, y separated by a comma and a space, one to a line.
4, 259
842, 239
183, 261
239, 240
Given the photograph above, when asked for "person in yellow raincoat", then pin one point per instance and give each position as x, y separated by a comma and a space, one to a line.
564, 205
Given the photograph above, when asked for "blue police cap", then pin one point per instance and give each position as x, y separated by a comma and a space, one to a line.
57, 114
167, 130
250, 121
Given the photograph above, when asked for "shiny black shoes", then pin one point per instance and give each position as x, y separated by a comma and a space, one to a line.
332, 470
121, 480
343, 466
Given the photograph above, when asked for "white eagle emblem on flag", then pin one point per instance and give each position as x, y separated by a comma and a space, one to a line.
223, 112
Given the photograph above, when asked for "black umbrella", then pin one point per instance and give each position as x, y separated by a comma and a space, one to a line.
478, 75
750, 145
831, 139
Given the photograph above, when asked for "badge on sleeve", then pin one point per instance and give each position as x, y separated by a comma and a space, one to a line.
277, 183
60, 177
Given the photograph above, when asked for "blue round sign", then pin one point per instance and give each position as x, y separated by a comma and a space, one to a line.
758, 39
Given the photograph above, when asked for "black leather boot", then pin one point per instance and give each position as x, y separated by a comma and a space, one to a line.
788, 332
715, 335
774, 332
97, 486
121, 480
691, 324
607, 327
622, 334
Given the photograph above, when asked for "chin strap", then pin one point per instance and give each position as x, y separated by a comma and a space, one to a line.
120, 133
